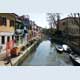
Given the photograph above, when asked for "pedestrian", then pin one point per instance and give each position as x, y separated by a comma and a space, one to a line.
9, 46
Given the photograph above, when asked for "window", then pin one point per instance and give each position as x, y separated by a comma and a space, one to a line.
4, 21
17, 38
12, 37
0, 20
64, 23
8, 39
21, 26
30, 27
77, 31
11, 23
3, 39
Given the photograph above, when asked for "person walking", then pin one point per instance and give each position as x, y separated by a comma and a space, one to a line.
9, 46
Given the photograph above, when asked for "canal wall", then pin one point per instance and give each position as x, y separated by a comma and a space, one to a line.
16, 61
25, 53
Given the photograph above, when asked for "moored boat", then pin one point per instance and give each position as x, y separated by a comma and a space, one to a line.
66, 48
59, 48
75, 59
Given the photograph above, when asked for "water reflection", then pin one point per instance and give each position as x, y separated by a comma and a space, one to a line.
46, 55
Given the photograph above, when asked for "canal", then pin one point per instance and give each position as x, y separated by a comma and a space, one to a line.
46, 55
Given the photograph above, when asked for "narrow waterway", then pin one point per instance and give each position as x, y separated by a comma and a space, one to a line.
46, 55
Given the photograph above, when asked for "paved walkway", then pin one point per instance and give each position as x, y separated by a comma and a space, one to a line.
15, 61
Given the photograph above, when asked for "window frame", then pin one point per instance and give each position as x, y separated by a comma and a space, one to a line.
12, 23
4, 20
8, 38
2, 39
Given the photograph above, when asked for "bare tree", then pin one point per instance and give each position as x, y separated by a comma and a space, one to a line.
76, 18
53, 19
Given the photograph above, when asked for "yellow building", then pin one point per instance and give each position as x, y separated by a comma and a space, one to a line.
7, 29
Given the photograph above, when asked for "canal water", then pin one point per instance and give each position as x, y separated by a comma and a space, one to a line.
46, 55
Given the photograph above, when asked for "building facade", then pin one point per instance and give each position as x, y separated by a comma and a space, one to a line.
70, 29
7, 29
26, 23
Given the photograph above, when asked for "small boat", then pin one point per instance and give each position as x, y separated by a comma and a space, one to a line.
66, 48
75, 59
59, 48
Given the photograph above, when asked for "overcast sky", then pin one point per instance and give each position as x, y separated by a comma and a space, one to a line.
37, 9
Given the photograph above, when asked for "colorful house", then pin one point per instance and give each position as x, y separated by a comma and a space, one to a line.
27, 26
19, 32
7, 29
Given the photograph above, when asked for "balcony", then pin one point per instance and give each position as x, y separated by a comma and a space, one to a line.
74, 35
19, 31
